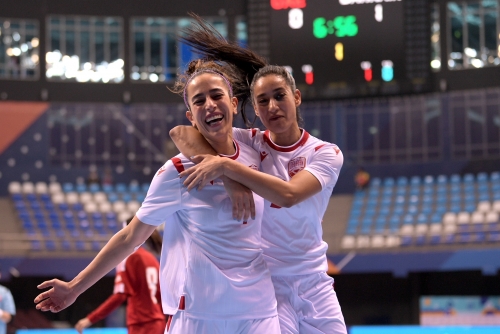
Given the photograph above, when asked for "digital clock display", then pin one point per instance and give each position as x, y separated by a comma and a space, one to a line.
340, 48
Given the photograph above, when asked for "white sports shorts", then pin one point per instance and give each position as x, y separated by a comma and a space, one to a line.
308, 304
180, 324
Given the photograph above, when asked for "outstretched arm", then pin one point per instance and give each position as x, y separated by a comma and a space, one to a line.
63, 294
190, 142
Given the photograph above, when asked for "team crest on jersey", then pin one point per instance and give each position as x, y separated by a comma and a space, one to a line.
296, 165
161, 170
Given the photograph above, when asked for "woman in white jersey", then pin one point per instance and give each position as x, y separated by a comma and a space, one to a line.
213, 276
298, 174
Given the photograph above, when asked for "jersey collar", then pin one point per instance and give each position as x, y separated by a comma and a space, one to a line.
236, 154
300, 142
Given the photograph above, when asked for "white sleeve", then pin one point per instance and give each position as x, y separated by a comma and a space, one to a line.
164, 196
325, 165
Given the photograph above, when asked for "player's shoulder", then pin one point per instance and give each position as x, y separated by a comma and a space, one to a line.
247, 154
318, 146
172, 167
315, 144
252, 133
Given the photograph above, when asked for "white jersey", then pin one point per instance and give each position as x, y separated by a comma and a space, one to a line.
213, 260
292, 238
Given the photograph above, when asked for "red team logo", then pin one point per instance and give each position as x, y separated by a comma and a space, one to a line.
161, 170
296, 165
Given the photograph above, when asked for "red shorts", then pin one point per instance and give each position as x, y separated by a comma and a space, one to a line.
151, 327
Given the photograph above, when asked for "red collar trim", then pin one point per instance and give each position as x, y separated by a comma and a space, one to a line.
303, 138
236, 154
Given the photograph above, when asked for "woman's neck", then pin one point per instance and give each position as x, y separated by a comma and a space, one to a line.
287, 138
226, 147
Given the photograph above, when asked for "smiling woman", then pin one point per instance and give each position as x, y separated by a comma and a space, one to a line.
213, 275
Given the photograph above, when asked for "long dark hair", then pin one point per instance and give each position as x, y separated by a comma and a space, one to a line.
244, 67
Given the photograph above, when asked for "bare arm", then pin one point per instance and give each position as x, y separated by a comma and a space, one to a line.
190, 142
286, 194
63, 294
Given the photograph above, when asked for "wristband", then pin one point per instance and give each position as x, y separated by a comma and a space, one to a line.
1, 313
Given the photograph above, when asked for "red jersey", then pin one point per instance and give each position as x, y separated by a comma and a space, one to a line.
137, 279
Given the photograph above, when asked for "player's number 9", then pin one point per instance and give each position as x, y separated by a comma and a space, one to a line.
152, 279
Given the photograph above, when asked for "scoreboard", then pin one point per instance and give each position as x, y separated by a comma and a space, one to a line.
340, 48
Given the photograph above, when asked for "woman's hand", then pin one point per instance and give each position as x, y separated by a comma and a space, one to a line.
82, 324
59, 297
241, 198
208, 168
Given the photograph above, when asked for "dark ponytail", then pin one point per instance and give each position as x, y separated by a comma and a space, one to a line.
238, 64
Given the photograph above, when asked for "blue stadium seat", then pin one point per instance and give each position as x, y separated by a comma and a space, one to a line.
389, 181
107, 188
415, 180
50, 245
68, 187
80, 245
398, 209
134, 187
482, 177
495, 177
426, 208
111, 216
406, 241
408, 219
112, 197
442, 179
447, 239
36, 245
63, 207
84, 224
412, 209
121, 188
420, 240
139, 197
31, 197
434, 239
402, 181
428, 180
66, 245
455, 178
126, 197
17, 197
82, 215
468, 178
145, 186
77, 206
385, 210
428, 190
464, 238
96, 246
494, 236
480, 237
94, 187
45, 198
422, 218
81, 187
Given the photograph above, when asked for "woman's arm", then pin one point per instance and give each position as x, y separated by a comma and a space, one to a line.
190, 142
63, 294
282, 193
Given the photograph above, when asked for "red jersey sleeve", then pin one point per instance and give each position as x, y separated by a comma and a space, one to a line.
108, 306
